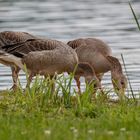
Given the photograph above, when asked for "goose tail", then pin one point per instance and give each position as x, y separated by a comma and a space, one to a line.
10, 58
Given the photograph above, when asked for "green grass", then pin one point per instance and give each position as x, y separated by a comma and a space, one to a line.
37, 114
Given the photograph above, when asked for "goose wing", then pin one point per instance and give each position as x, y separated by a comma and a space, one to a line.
97, 45
23, 48
76, 43
11, 37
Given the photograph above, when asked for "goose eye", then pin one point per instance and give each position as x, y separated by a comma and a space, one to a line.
122, 83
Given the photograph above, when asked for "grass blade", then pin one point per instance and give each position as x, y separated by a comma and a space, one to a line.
136, 19
128, 77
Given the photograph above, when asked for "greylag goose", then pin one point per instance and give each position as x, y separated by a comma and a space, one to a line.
46, 57
9, 38
99, 55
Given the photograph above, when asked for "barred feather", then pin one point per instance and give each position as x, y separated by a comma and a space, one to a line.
76, 43
11, 37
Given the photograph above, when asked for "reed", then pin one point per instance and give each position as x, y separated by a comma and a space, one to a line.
135, 17
138, 25
131, 89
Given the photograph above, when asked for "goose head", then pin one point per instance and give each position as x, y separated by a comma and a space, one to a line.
84, 69
119, 80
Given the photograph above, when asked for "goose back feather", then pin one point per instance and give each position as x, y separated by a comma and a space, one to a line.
93, 51
11, 37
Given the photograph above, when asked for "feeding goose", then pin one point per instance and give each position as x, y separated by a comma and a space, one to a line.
99, 55
9, 38
53, 57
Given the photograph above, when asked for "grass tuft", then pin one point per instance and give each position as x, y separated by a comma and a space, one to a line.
41, 113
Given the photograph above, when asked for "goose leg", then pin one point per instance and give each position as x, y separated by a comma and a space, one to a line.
29, 80
15, 72
77, 79
100, 76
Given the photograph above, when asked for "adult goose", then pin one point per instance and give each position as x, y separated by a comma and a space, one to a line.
99, 55
46, 57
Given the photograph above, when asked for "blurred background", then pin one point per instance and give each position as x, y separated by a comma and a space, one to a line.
109, 20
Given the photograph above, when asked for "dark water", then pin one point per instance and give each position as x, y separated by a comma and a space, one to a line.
110, 20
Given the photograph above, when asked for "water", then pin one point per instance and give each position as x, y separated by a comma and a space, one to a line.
109, 20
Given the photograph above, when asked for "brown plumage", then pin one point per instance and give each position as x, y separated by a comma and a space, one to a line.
11, 37
8, 38
14, 43
44, 57
32, 45
98, 54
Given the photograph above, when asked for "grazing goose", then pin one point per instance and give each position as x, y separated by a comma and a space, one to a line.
9, 38
99, 56
46, 57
